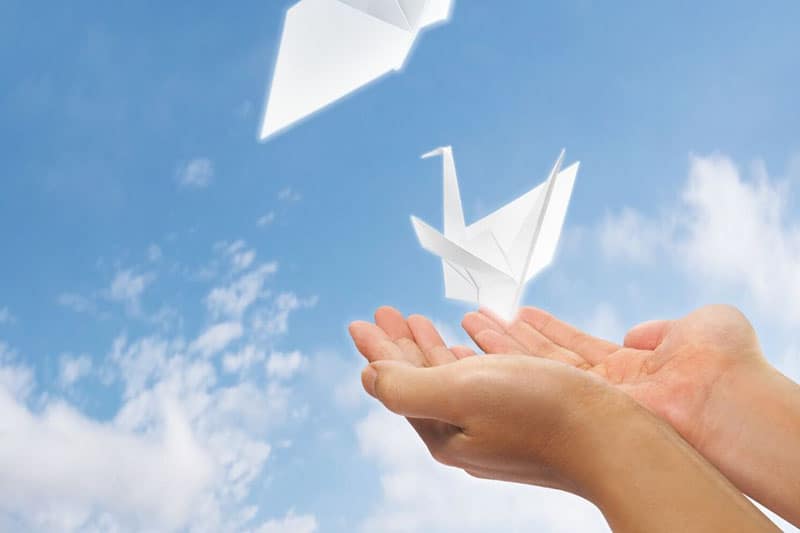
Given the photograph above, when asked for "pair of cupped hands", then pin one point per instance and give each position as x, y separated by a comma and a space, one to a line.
687, 409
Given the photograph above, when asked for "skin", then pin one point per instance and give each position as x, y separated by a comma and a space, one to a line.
542, 422
704, 374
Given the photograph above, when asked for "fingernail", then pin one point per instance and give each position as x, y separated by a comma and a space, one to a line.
368, 378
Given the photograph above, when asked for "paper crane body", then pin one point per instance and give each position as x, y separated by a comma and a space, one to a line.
490, 261
330, 48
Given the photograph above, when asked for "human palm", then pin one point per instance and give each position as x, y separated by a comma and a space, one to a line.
704, 374
674, 368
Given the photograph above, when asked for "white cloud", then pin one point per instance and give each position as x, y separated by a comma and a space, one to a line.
77, 303
287, 194
196, 174
233, 299
272, 321
243, 359
230, 421
237, 253
421, 495
5, 316
291, 523
186, 447
154, 253
631, 236
790, 364
217, 338
285, 366
128, 287
738, 233
349, 392
266, 219
58, 466
73, 368
604, 322
15, 378
727, 231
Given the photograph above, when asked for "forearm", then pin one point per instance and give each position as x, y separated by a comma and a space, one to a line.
645, 477
753, 437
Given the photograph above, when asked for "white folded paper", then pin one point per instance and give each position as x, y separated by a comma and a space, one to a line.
330, 48
490, 261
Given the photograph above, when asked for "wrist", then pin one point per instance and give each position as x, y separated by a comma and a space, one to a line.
737, 397
644, 477
601, 429
752, 432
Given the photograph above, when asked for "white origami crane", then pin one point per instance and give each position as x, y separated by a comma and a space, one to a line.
490, 261
330, 48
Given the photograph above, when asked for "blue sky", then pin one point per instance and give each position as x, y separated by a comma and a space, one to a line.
106, 110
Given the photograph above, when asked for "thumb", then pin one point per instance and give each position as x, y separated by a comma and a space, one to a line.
411, 391
648, 335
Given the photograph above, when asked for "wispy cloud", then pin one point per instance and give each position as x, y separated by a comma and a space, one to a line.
237, 253
725, 230
154, 253
196, 174
285, 365
288, 194
234, 298
266, 220
5, 316
182, 427
127, 288
216, 338
72, 368
243, 360
78, 303
290, 523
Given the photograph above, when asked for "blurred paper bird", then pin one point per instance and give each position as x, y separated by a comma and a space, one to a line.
330, 48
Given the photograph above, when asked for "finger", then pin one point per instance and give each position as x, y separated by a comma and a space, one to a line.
462, 352
647, 336
434, 434
430, 393
475, 322
373, 343
537, 344
530, 342
429, 341
392, 322
526, 340
492, 342
501, 324
480, 327
590, 348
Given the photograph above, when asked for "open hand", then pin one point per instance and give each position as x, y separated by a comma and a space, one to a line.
704, 374
504, 417
672, 367
538, 421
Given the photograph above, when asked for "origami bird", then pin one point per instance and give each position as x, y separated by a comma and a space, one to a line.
490, 261
330, 48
